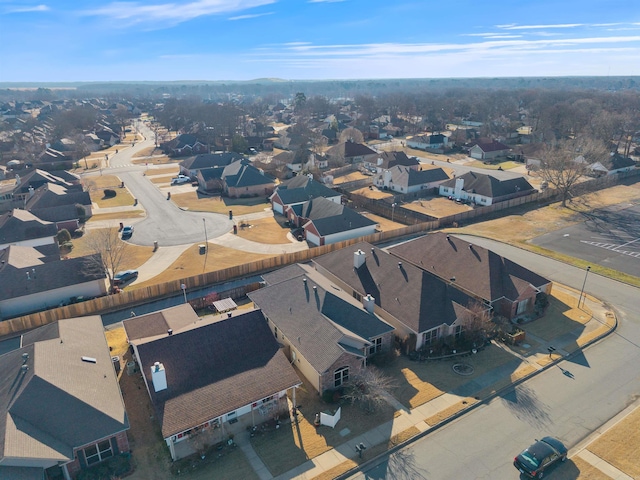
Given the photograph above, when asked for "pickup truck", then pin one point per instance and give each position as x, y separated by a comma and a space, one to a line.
180, 179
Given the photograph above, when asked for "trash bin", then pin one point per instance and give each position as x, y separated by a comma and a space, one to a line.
116, 363
230, 214
235, 229
203, 249
131, 368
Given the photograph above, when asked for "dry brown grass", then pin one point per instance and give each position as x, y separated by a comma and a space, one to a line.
437, 206
191, 263
101, 182
350, 177
384, 224
161, 179
117, 341
134, 255
421, 382
562, 316
620, 445
162, 171
373, 193
100, 217
450, 411
264, 230
578, 469
239, 206
291, 445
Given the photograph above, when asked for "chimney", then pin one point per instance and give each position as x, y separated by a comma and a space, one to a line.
170, 332
228, 314
159, 377
359, 258
31, 191
369, 303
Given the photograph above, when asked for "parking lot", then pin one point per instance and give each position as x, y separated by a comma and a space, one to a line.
608, 237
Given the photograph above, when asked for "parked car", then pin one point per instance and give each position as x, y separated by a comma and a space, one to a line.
127, 232
124, 276
180, 179
536, 460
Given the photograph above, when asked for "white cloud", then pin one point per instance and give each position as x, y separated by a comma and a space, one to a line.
514, 26
255, 15
35, 8
172, 13
325, 1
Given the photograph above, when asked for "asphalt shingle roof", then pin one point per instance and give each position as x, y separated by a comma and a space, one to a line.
419, 300
329, 217
476, 269
214, 369
301, 188
490, 186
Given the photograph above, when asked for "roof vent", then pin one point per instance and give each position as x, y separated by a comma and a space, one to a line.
448, 238
24, 368
399, 264
304, 280
170, 332
228, 314
89, 360
471, 246
315, 287
25, 357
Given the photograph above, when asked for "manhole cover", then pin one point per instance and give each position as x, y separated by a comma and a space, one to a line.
463, 369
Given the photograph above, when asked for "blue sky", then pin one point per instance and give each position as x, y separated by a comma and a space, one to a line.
89, 40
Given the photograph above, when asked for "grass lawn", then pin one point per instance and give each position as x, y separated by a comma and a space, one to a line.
506, 165
384, 223
290, 445
620, 445
578, 469
421, 382
350, 177
163, 171
116, 216
437, 206
97, 185
161, 178
201, 203
191, 263
264, 230
133, 257
373, 193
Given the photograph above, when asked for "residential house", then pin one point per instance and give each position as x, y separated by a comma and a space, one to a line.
489, 150
20, 227
205, 374
192, 165
327, 335
35, 279
298, 190
407, 180
54, 203
484, 189
616, 163
184, 144
418, 304
325, 222
387, 160
242, 179
510, 289
14, 196
61, 409
435, 141
350, 152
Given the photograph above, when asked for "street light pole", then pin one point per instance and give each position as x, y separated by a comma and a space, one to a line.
393, 210
184, 291
206, 245
583, 284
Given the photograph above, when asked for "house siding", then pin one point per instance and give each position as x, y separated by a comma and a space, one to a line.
345, 360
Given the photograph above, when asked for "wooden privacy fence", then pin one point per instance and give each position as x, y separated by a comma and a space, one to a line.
131, 298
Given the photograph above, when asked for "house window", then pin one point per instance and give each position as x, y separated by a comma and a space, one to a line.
341, 376
376, 347
522, 306
429, 337
458, 331
98, 452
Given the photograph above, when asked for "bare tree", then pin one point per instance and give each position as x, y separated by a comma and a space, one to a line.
477, 322
566, 161
368, 388
351, 135
401, 465
112, 250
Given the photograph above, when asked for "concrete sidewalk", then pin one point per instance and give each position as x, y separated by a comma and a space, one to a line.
599, 323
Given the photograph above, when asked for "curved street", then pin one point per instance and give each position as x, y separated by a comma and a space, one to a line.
604, 380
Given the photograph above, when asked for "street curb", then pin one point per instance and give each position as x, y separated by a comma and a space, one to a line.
376, 460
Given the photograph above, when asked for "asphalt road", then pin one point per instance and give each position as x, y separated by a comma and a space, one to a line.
609, 237
164, 222
482, 444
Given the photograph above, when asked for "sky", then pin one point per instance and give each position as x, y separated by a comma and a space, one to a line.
200, 40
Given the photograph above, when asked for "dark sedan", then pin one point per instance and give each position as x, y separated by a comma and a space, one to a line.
536, 460
124, 276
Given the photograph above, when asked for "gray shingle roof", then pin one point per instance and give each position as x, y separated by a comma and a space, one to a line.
313, 319
20, 225
490, 186
214, 369
36, 405
209, 160
476, 269
419, 300
243, 174
301, 188
329, 217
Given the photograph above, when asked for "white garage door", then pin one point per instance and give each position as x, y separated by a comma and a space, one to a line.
278, 208
313, 238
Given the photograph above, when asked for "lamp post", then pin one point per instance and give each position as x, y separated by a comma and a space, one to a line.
184, 292
583, 284
393, 210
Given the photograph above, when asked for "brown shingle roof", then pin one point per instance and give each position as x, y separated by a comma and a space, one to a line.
476, 269
419, 300
215, 369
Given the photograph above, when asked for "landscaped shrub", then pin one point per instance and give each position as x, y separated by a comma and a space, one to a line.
110, 469
64, 236
108, 193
